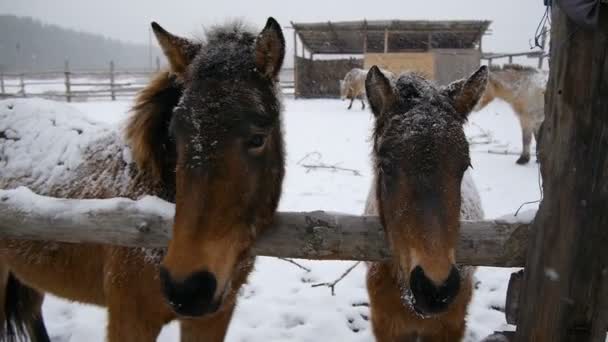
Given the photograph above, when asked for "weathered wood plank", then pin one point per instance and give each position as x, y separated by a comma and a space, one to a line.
513, 295
308, 235
565, 292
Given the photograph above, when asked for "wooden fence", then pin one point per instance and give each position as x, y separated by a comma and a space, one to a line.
308, 235
82, 84
490, 56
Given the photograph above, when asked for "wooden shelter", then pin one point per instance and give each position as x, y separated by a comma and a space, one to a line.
441, 50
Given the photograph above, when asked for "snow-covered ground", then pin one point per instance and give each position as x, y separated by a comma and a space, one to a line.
279, 303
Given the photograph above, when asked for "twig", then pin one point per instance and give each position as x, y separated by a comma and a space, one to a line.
540, 188
330, 167
313, 153
318, 164
360, 304
333, 284
505, 152
481, 142
295, 263
484, 132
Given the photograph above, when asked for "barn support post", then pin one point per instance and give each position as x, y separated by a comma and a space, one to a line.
385, 40
112, 91
364, 37
295, 63
565, 288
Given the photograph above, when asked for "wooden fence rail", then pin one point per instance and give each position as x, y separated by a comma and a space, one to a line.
308, 235
70, 84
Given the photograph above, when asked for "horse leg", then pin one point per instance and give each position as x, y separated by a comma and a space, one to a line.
526, 135
3, 287
207, 329
137, 310
129, 323
388, 318
124, 325
351, 102
447, 334
362, 103
20, 309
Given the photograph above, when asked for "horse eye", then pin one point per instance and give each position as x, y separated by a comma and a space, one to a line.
256, 141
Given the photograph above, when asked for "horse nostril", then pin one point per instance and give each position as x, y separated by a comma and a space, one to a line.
430, 298
192, 296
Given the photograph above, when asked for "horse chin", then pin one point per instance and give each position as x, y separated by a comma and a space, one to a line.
408, 300
194, 311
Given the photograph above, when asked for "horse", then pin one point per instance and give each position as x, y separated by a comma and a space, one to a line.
353, 85
523, 88
421, 190
206, 135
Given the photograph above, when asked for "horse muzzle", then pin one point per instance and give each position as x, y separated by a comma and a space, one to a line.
193, 296
430, 298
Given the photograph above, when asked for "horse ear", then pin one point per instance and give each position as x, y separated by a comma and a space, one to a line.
379, 91
179, 51
270, 49
464, 94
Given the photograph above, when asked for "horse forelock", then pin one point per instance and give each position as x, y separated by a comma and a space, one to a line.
422, 111
423, 122
224, 53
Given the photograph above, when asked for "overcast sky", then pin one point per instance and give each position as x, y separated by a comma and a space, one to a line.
513, 21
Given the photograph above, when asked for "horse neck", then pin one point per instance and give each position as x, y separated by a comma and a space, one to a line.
502, 91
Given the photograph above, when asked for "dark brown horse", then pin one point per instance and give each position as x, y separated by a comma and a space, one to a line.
420, 192
205, 135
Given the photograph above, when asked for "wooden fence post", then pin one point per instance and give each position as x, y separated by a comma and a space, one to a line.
565, 288
22, 83
2, 83
157, 64
68, 87
112, 92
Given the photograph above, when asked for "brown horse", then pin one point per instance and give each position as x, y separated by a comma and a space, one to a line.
420, 192
523, 88
205, 135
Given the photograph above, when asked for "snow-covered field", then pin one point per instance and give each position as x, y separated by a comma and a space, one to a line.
278, 303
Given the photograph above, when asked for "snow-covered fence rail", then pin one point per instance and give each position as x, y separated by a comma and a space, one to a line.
309, 235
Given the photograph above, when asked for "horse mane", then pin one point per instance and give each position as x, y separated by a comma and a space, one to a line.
147, 130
